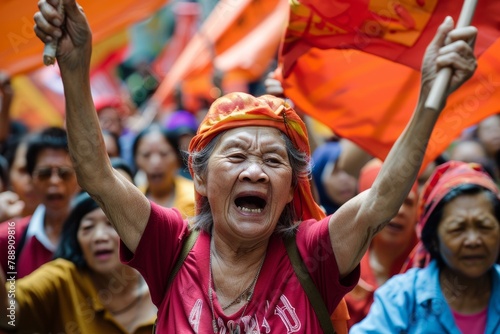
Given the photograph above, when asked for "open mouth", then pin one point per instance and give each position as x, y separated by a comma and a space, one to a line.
103, 253
54, 197
395, 226
154, 178
473, 257
252, 204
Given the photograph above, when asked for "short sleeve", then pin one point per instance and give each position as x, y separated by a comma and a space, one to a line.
315, 247
158, 249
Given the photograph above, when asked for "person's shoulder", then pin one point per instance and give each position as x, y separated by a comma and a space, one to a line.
400, 282
61, 266
18, 223
53, 273
496, 270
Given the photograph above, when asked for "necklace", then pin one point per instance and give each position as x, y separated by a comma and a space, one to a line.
247, 294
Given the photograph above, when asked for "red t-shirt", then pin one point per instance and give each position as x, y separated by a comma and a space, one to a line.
279, 304
32, 255
11, 233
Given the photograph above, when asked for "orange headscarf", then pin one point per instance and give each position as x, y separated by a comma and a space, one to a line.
236, 110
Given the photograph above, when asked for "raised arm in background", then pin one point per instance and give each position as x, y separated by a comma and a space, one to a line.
353, 226
125, 206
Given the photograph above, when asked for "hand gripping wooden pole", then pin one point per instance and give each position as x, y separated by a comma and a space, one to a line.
50, 49
442, 82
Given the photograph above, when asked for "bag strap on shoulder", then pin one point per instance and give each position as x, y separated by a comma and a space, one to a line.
186, 248
308, 285
298, 266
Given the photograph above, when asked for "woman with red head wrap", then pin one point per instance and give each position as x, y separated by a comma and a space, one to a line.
459, 290
250, 167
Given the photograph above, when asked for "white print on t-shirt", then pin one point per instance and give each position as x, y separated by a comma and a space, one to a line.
250, 324
194, 316
288, 315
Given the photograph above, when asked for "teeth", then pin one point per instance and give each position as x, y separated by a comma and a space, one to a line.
250, 210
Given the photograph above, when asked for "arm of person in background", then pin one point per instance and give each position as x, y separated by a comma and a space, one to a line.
353, 226
11, 205
6, 95
125, 206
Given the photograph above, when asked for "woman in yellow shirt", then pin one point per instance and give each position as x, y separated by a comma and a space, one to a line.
157, 155
86, 290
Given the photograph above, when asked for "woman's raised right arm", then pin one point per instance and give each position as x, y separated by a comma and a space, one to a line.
126, 207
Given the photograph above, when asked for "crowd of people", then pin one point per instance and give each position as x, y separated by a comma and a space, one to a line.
239, 221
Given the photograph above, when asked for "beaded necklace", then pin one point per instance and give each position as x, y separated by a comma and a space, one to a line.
248, 292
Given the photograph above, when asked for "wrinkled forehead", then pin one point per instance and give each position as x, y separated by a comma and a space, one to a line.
478, 203
251, 136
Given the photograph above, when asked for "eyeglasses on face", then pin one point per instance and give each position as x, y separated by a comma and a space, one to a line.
45, 173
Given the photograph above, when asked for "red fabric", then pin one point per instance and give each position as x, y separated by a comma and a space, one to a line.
471, 323
366, 98
19, 228
398, 31
360, 299
32, 255
278, 302
369, 100
112, 102
21, 51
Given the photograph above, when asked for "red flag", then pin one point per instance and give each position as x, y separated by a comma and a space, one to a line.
396, 30
367, 98
21, 51
370, 100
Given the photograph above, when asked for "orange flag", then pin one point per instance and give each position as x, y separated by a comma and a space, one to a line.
238, 39
370, 100
39, 95
395, 30
34, 105
21, 51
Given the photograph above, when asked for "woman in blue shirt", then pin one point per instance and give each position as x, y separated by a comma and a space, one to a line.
459, 291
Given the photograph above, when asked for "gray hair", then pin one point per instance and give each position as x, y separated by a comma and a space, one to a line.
288, 221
